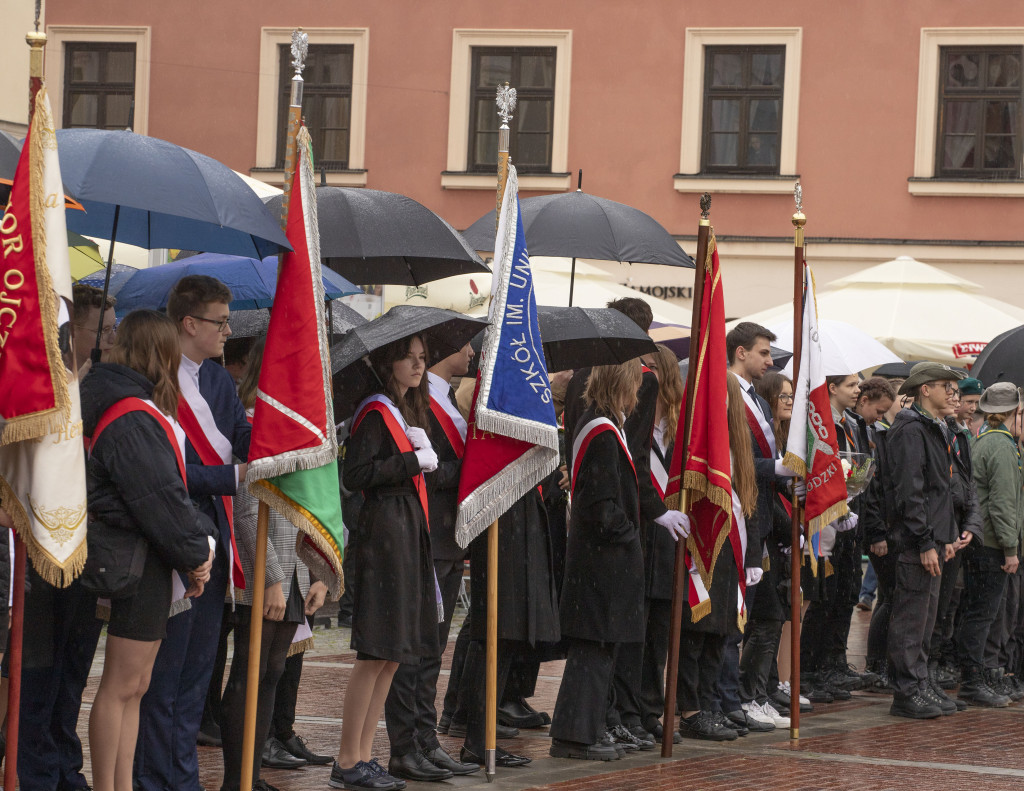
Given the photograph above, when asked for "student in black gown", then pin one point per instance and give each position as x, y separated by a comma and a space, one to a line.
395, 610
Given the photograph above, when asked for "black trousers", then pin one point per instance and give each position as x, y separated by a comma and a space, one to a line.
282, 723
473, 689
1005, 624
984, 588
451, 696
624, 705
276, 638
700, 663
212, 708
652, 676
826, 625
915, 605
522, 678
581, 708
760, 646
942, 635
409, 708
878, 631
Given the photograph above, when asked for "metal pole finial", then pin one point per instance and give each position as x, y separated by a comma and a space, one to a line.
505, 98
705, 208
39, 11
300, 49
799, 219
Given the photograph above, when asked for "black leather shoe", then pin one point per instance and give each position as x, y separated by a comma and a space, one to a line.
914, 707
502, 758
275, 756
458, 731
515, 714
413, 766
439, 758
296, 745
209, 735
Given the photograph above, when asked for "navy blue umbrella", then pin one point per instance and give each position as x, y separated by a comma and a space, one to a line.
252, 282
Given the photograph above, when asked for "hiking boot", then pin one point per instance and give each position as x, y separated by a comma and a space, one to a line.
976, 692
844, 677
837, 693
914, 707
811, 686
947, 676
934, 694
703, 725
626, 739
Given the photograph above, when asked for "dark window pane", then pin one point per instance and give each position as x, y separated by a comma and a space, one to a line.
723, 149
121, 67
727, 70
532, 150
762, 150
84, 109
535, 115
336, 111
725, 115
494, 70
1003, 71
963, 71
999, 152
764, 115
766, 69
485, 149
999, 117
85, 66
537, 71
335, 145
959, 151
335, 69
326, 101
486, 117
118, 107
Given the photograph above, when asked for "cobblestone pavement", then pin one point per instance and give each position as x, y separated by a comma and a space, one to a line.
854, 745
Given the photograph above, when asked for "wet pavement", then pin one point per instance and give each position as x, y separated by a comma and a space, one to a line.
852, 745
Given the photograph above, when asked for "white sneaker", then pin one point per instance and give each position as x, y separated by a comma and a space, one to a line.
784, 687
755, 713
770, 711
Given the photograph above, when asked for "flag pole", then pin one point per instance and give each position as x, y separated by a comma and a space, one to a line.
796, 556
506, 101
300, 48
36, 42
680, 571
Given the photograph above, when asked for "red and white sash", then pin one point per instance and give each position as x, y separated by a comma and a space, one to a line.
587, 434
659, 475
456, 437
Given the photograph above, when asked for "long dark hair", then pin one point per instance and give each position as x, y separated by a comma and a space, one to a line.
147, 342
769, 387
416, 401
251, 375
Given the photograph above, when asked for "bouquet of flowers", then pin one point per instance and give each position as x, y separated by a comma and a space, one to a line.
858, 469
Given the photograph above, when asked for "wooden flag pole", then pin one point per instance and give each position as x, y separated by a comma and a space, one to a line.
796, 556
36, 42
680, 573
300, 47
506, 100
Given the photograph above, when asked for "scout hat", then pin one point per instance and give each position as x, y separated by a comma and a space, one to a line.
922, 373
1000, 397
971, 386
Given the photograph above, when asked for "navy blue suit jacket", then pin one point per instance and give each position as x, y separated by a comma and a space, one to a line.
207, 483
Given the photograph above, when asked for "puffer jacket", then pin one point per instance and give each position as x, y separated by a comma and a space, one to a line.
998, 476
965, 493
921, 469
132, 476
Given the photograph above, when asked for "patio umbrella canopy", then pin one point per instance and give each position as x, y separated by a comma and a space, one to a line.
578, 225
580, 337
916, 310
845, 349
252, 282
375, 237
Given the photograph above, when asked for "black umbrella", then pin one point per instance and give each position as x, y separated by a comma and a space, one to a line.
581, 337
1002, 360
577, 225
10, 152
255, 322
445, 332
378, 237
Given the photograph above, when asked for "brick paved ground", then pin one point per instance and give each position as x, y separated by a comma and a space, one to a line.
851, 746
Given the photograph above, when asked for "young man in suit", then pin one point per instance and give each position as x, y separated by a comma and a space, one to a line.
218, 433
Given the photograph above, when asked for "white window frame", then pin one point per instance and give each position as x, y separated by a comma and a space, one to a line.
59, 35
463, 40
924, 181
689, 179
271, 38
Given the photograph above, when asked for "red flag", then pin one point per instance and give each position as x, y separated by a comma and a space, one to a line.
703, 468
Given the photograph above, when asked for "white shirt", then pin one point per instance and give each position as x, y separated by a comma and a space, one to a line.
191, 368
439, 392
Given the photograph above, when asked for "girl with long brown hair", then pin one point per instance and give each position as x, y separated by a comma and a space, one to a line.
395, 609
135, 483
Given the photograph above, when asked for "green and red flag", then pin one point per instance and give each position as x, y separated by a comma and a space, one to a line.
293, 455
812, 450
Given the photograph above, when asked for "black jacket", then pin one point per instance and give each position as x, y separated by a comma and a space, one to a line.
132, 475
922, 471
876, 503
965, 493
443, 494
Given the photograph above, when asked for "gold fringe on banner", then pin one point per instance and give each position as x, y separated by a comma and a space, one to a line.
302, 645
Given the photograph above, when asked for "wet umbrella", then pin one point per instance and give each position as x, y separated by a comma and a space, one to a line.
378, 237
1002, 360
253, 323
151, 193
252, 282
445, 332
581, 337
10, 152
578, 225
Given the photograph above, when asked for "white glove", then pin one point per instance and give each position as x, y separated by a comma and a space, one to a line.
782, 470
846, 523
427, 459
800, 488
418, 437
676, 522
754, 575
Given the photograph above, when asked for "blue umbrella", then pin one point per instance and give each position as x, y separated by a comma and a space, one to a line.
119, 273
252, 282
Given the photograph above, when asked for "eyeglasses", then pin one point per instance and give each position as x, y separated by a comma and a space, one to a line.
222, 324
107, 333
786, 397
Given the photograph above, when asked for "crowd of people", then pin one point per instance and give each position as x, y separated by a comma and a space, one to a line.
586, 562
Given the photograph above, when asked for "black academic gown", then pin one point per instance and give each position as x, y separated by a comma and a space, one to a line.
394, 607
660, 559
603, 591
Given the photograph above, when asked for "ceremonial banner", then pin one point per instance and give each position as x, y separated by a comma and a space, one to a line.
293, 454
42, 459
704, 468
812, 451
512, 443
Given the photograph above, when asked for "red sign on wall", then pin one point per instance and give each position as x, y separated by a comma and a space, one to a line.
968, 349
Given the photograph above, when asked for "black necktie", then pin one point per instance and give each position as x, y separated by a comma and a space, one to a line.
765, 410
451, 396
